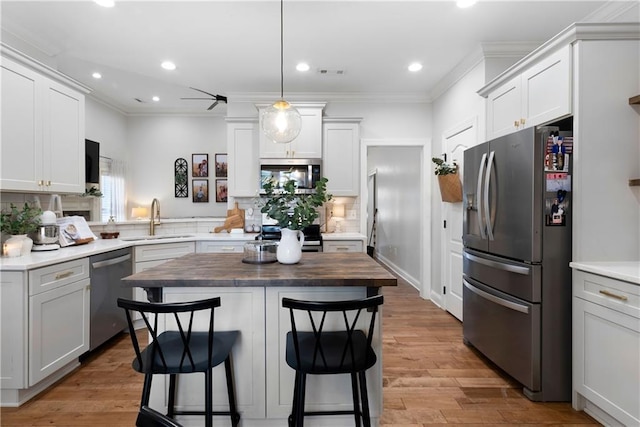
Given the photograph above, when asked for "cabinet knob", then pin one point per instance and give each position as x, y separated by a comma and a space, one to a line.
40, 183
516, 123
522, 121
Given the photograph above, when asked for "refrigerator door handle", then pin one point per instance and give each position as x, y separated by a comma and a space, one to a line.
479, 194
504, 303
487, 184
498, 265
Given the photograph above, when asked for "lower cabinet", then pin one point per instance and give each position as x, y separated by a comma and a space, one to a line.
342, 246
147, 256
264, 382
45, 322
233, 246
13, 330
606, 349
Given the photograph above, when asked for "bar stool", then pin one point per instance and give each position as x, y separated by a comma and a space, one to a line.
147, 417
183, 351
328, 352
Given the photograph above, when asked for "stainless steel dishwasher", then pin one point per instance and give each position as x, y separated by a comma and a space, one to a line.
107, 319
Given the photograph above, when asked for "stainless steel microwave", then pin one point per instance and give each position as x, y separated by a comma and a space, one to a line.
306, 172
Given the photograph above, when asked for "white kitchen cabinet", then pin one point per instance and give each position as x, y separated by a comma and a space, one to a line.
241, 309
539, 94
606, 348
341, 156
324, 392
307, 145
147, 256
243, 158
58, 317
43, 132
13, 330
229, 246
342, 246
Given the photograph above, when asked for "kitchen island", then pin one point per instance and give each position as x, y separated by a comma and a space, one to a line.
251, 298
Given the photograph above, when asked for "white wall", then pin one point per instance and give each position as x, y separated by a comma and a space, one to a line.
400, 220
154, 144
107, 126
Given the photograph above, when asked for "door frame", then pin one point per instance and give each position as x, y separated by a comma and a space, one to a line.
471, 123
425, 204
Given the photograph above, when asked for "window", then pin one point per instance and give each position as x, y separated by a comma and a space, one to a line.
112, 185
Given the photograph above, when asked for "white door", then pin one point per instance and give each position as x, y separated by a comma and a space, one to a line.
454, 142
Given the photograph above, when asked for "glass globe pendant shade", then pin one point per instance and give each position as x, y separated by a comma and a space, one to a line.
281, 122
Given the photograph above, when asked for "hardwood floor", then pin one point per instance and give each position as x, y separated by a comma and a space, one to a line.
430, 377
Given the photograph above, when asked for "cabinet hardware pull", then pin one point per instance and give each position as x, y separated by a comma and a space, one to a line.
48, 183
522, 122
228, 249
40, 183
63, 275
612, 295
516, 123
342, 248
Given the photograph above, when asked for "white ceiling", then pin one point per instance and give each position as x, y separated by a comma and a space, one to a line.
232, 48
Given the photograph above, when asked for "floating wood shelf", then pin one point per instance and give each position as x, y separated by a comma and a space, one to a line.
634, 183
634, 100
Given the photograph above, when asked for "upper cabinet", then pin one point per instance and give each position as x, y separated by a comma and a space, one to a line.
341, 156
307, 145
243, 163
42, 131
538, 94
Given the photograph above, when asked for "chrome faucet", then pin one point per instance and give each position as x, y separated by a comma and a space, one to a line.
155, 216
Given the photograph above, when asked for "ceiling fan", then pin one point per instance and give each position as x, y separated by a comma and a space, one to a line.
217, 98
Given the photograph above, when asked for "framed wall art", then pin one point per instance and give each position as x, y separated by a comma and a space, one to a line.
200, 189
221, 165
181, 180
199, 165
221, 190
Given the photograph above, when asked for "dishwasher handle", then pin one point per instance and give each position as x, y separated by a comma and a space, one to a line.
112, 261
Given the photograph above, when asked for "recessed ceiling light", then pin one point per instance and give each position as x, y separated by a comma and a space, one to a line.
105, 3
303, 66
168, 65
414, 67
156, 98
462, 4
96, 75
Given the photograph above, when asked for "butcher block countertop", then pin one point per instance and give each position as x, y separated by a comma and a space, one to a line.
216, 269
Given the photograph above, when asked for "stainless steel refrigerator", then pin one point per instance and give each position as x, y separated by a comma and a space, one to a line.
517, 249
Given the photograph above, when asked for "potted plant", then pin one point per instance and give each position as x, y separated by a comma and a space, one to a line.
448, 181
18, 223
293, 212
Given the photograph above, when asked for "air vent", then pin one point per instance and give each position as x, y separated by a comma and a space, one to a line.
139, 100
330, 72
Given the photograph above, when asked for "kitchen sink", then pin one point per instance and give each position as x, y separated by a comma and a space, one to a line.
163, 237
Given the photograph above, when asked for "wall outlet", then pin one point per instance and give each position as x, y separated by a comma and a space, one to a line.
351, 214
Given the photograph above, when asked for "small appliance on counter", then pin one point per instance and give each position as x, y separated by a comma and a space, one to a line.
260, 252
48, 233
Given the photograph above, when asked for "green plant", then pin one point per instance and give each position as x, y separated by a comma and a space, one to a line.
14, 221
93, 192
291, 210
443, 168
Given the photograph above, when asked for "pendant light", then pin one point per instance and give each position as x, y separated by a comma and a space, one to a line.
281, 122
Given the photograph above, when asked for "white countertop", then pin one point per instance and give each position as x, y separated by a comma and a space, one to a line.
628, 271
42, 259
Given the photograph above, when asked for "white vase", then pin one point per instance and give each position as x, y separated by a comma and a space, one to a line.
17, 245
290, 246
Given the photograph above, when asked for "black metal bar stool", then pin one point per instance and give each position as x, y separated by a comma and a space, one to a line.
328, 352
183, 351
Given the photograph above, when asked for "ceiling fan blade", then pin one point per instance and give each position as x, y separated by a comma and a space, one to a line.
202, 91
198, 98
212, 105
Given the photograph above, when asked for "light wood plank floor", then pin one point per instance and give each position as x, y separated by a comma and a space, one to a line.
430, 378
